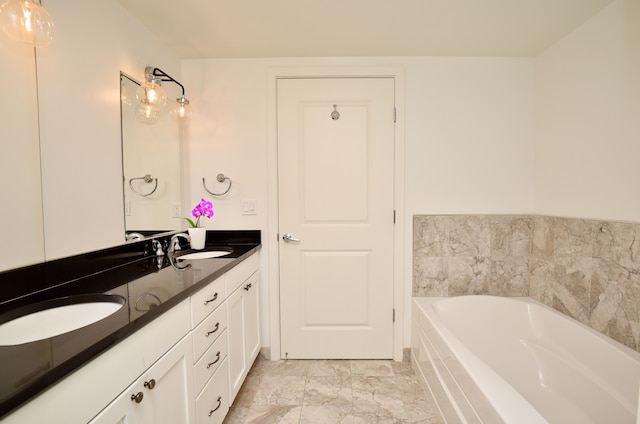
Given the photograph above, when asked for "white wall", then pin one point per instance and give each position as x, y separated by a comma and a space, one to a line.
588, 119
468, 137
79, 95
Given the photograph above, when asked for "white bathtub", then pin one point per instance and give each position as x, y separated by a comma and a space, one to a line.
491, 359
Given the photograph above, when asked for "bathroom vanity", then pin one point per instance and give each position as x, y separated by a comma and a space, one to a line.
176, 352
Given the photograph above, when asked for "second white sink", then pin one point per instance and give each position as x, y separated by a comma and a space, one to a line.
204, 255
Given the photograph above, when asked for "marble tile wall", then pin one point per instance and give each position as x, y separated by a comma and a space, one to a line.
479, 254
586, 269
589, 270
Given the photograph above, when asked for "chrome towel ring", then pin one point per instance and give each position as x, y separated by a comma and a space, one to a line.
220, 178
147, 179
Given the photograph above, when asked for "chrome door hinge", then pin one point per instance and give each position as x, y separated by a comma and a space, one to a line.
394, 216
394, 314
395, 115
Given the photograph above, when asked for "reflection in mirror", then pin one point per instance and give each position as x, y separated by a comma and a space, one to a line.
21, 222
151, 166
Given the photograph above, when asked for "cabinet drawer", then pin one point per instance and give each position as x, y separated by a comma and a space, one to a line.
238, 274
207, 300
208, 331
210, 362
212, 404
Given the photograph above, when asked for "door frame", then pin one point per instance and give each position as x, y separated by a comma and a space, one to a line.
272, 241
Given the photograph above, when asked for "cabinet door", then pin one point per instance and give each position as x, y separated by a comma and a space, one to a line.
162, 395
243, 327
252, 320
236, 334
128, 408
168, 384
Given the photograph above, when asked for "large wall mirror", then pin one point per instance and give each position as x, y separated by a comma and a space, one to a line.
151, 157
21, 221
62, 164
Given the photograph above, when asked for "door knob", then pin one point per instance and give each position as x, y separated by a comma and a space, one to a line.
289, 238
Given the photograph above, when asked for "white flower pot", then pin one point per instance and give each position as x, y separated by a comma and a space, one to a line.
198, 237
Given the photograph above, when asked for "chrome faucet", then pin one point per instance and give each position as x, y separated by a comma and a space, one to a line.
133, 236
174, 244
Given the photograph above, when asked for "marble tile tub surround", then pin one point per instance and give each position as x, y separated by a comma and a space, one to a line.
586, 269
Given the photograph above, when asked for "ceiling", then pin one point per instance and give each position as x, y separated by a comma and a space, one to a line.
305, 28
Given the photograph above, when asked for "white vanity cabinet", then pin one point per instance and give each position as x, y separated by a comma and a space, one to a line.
243, 322
186, 365
162, 395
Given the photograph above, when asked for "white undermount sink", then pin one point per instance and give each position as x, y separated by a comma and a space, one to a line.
58, 316
204, 255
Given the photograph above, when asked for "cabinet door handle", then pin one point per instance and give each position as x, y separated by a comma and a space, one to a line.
217, 407
213, 299
216, 361
150, 384
214, 329
247, 287
137, 398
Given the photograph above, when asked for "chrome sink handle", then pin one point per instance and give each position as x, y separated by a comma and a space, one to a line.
174, 244
289, 238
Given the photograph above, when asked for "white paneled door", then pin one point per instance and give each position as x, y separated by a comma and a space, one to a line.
336, 217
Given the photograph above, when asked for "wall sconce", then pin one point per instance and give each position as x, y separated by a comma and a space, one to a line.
152, 98
26, 21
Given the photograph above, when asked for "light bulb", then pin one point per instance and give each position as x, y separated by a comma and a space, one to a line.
146, 115
182, 110
26, 21
152, 95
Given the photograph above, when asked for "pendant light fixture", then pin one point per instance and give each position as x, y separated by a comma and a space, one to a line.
146, 115
26, 21
152, 97
151, 94
181, 110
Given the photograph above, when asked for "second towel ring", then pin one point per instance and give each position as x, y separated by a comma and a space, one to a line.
221, 178
147, 179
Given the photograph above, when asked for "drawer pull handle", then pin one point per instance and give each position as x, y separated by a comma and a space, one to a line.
216, 361
213, 299
217, 407
150, 384
137, 398
247, 287
216, 328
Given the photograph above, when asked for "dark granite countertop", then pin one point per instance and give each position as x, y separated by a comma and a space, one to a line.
149, 284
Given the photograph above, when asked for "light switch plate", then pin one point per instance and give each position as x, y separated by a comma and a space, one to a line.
176, 210
249, 207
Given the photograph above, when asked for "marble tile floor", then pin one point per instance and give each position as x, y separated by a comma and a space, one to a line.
331, 392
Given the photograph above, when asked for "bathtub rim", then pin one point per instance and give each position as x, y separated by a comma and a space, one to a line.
494, 388
507, 402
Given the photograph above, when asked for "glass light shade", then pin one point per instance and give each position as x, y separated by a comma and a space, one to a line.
152, 95
181, 110
26, 21
146, 114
